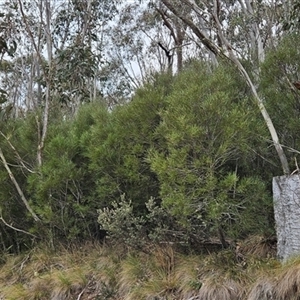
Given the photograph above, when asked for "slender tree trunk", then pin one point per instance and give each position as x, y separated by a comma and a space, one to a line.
259, 101
257, 46
48, 84
42, 132
228, 53
36, 58
180, 33
177, 33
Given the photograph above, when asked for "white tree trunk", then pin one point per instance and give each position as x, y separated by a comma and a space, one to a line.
286, 196
48, 83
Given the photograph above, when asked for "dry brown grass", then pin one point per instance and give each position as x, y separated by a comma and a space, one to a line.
288, 282
277, 282
258, 246
263, 289
93, 271
17, 292
188, 280
148, 275
39, 288
41, 274
219, 288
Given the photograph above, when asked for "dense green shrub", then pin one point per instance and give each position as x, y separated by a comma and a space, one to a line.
118, 150
278, 73
194, 142
209, 128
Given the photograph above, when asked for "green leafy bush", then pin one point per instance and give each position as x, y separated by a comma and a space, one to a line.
209, 128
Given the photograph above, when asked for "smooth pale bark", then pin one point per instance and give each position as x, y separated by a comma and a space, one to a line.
16, 229
256, 39
48, 84
205, 40
16, 153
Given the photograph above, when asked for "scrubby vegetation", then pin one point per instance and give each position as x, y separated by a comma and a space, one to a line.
95, 271
175, 184
183, 162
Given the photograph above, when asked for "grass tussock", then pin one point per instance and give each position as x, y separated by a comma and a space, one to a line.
87, 271
149, 275
288, 283
226, 289
96, 272
258, 246
262, 289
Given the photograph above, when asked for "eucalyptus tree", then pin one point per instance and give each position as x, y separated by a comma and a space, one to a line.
79, 41
57, 49
222, 44
58, 57
145, 39
261, 37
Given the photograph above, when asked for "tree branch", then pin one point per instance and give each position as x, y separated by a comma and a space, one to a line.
201, 35
46, 74
167, 23
20, 192
229, 54
16, 229
259, 101
16, 153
